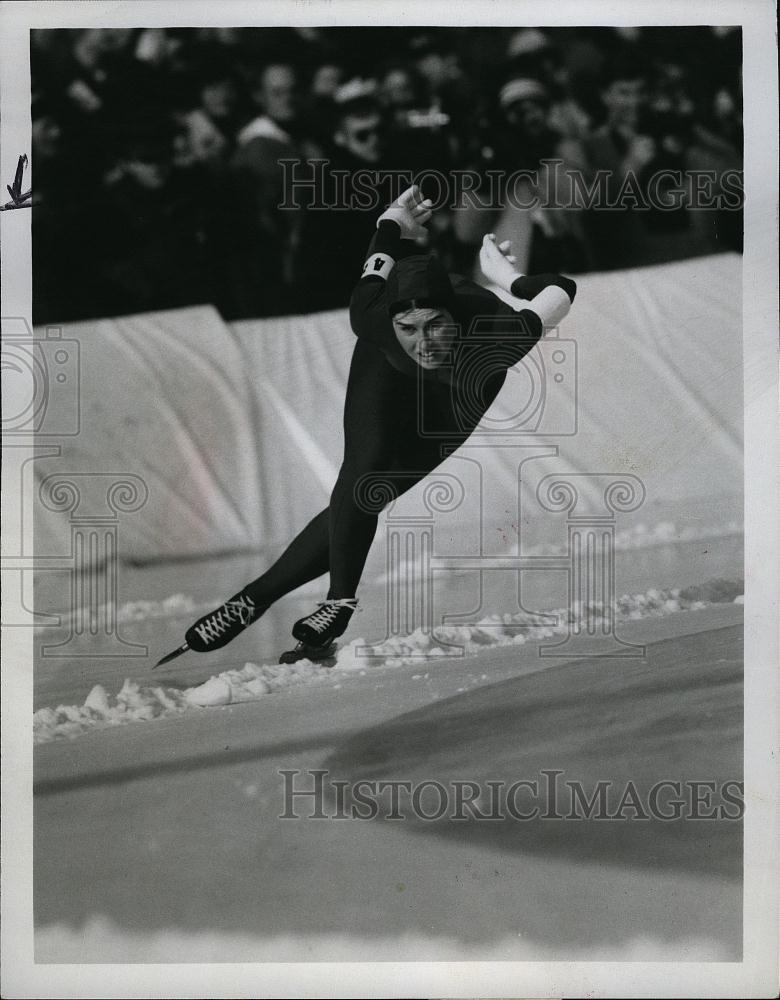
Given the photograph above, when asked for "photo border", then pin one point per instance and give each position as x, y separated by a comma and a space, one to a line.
756, 975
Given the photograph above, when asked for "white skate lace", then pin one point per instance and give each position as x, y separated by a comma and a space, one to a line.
242, 609
327, 611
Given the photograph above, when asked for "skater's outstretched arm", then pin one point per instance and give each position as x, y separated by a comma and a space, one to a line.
400, 228
548, 295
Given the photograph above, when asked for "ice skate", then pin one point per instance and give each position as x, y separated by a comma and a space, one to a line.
327, 623
219, 627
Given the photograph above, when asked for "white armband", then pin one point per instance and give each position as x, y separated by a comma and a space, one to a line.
551, 305
379, 264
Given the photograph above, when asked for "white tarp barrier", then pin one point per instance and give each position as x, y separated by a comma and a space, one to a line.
165, 404
299, 368
236, 431
644, 378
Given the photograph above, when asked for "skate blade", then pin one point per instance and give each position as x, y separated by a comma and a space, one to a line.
318, 654
171, 656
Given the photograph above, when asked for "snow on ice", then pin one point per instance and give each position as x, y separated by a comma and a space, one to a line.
137, 703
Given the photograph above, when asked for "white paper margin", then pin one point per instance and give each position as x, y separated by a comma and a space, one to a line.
756, 975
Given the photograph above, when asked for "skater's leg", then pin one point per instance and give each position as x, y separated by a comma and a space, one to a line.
377, 404
304, 559
370, 411
381, 438
307, 556
371, 416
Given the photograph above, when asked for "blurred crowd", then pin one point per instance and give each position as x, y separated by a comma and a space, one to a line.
157, 180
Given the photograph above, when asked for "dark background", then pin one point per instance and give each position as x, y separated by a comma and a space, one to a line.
155, 151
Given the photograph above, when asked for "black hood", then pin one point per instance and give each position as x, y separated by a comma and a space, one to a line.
419, 282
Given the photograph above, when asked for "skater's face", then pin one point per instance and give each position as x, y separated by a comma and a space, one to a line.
427, 335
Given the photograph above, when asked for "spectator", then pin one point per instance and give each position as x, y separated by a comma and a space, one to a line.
276, 94
164, 116
359, 126
88, 87
325, 81
264, 265
421, 136
399, 91
547, 232
331, 255
439, 67
220, 100
620, 147
539, 231
157, 263
669, 123
445, 90
531, 54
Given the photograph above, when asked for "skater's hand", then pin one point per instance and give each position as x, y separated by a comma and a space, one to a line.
411, 211
497, 262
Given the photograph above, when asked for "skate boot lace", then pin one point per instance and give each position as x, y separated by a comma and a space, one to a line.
241, 609
327, 611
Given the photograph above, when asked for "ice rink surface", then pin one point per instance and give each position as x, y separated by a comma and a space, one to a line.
158, 794
161, 840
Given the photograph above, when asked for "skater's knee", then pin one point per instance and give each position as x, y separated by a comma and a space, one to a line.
373, 491
367, 490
